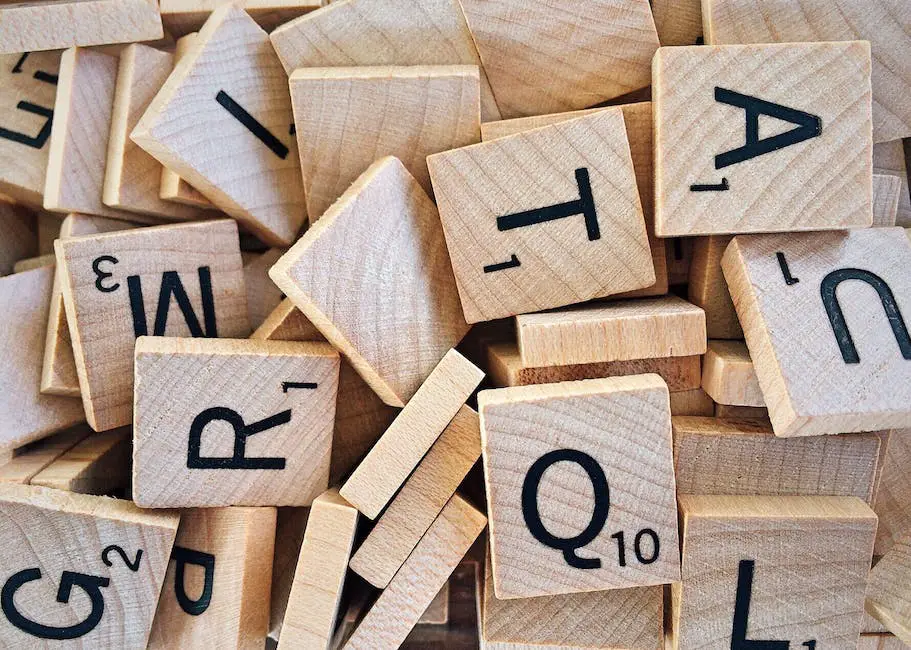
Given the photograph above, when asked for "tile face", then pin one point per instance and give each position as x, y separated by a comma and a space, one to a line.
180, 280
888, 599
183, 16
199, 450
824, 318
728, 375
254, 172
544, 218
745, 136
772, 570
571, 508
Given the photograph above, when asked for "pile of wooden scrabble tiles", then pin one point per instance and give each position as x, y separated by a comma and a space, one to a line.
453, 324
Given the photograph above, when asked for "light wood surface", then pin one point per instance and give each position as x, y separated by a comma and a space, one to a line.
894, 493
889, 158
888, 598
98, 464
289, 535
437, 612
382, 238
886, 198
679, 22
728, 376
262, 294
692, 402
183, 16
30, 263
706, 287
33, 458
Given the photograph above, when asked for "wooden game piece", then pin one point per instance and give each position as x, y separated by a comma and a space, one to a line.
692, 402
710, 178
504, 128
289, 535
728, 376
107, 557
871, 626
888, 599
751, 564
713, 456
408, 112
420, 500
381, 237
707, 288
648, 328
291, 411
28, 86
31, 459
358, 604
399, 450
254, 173
894, 492
287, 323
886, 197
382, 32
515, 232
828, 359
30, 263
506, 369
18, 235
181, 17
678, 22
262, 294
781, 21
573, 510
27, 414
400, 605
889, 158
585, 54
216, 590
320, 574
437, 612
98, 464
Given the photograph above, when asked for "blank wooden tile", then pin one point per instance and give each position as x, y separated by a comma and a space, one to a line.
216, 590
886, 198
714, 175
289, 535
183, 16
254, 173
714, 456
381, 238
761, 568
894, 493
282, 392
506, 369
399, 450
728, 376
888, 598
526, 217
414, 587
98, 464
706, 287
346, 118
583, 54
320, 574
647, 328
679, 22
262, 294
113, 553
34, 457
828, 359
420, 500
692, 402
571, 509
382, 32
889, 158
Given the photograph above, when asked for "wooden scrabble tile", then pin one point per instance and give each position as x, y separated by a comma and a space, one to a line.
888, 598
679, 22
216, 590
196, 264
828, 359
320, 574
692, 402
287, 323
706, 287
506, 369
30, 263
605, 517
381, 237
515, 232
254, 173
34, 457
291, 410
346, 118
889, 158
28, 86
382, 32
630, 618
27, 414
714, 456
728, 376
436, 556
882, 24
420, 500
18, 235
98, 464
183, 16
113, 553
718, 172
894, 492
399, 450
262, 294
437, 612
289, 536
28, 26
583, 54
886, 197
647, 328
503, 128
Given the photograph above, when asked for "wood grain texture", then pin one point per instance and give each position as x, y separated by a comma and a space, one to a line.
437, 612
679, 22
98, 464
382, 32
893, 498
262, 294
648, 328
400, 605
320, 574
392, 459
520, 425
561, 260
382, 238
30, 263
706, 287
741, 457
240, 541
181, 17
258, 184
811, 558
692, 402
235, 378
884, 24
889, 158
886, 198
583, 54
289, 535
53, 531
888, 598
34, 457
808, 384
791, 188
728, 375
422, 497
728, 412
